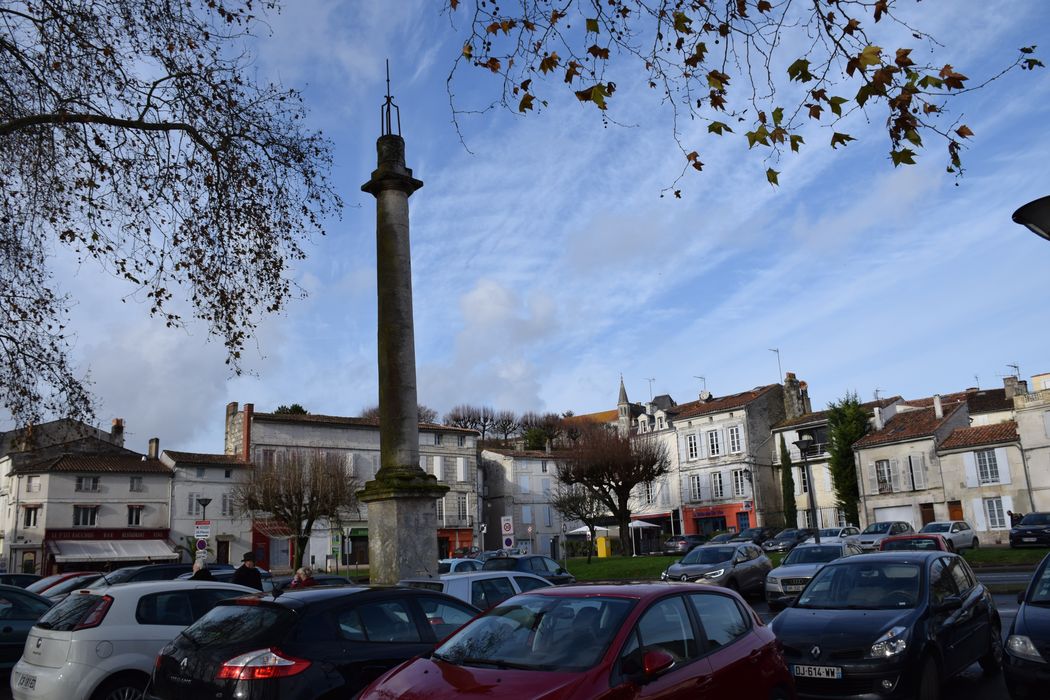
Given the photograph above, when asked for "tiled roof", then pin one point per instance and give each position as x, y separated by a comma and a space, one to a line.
348, 420
717, 404
119, 464
979, 400
981, 435
201, 458
610, 416
908, 425
822, 416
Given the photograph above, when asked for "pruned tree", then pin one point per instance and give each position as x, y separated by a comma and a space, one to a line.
847, 423
574, 502
553, 427
307, 487
463, 416
139, 137
758, 70
787, 486
293, 410
425, 413
486, 421
505, 424
610, 466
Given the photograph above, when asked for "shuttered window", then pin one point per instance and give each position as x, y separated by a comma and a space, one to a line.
716, 485
690, 445
987, 468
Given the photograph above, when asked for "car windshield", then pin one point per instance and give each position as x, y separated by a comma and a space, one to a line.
748, 533
813, 555
709, 555
444, 567
876, 529
122, 575
911, 543
42, 584
937, 527
541, 633
73, 584
240, 624
832, 532
1036, 519
787, 535
857, 584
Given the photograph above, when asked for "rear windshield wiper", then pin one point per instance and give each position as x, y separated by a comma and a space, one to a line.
188, 638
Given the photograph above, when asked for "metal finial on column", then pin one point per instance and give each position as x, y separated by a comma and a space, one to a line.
385, 115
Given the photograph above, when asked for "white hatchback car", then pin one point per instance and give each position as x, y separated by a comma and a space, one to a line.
482, 589
102, 643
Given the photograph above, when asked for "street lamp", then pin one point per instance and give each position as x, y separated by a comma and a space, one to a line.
804, 442
203, 503
1035, 216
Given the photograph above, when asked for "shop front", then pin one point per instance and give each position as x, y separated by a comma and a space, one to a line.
452, 538
104, 549
709, 520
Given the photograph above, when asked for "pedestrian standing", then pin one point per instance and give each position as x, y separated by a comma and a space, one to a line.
303, 578
246, 574
201, 572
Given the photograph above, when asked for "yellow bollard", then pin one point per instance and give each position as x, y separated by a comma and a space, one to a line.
603, 546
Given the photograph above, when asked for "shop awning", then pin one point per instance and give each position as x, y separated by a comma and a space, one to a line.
111, 550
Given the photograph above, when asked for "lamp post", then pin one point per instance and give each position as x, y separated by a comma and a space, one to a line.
203, 503
1035, 216
804, 442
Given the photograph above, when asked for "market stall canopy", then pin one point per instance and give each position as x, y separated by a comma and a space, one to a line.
583, 530
641, 523
111, 550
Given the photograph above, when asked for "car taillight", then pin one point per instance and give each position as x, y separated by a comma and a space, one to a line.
260, 665
96, 614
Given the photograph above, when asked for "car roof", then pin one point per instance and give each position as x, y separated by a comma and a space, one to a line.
912, 556
811, 545
304, 598
639, 590
144, 587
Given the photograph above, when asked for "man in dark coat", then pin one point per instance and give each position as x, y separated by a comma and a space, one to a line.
246, 574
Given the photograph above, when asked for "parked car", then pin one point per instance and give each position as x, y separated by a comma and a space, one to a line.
740, 566
465, 552
19, 610
1032, 531
957, 532
39, 587
1028, 644
58, 592
786, 540
873, 534
19, 580
682, 544
102, 643
533, 564
491, 554
583, 642
458, 566
784, 583
721, 539
832, 535
280, 583
224, 574
915, 541
148, 572
889, 625
304, 643
755, 535
482, 589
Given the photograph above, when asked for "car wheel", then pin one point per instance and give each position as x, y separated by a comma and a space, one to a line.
121, 688
683, 577
992, 662
929, 681
976, 543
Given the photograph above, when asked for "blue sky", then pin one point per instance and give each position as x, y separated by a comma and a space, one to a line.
546, 264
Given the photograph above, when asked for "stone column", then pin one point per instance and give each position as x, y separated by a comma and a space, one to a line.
402, 522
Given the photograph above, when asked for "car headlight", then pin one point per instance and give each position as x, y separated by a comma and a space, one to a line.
890, 644
1021, 646
714, 574
663, 576
772, 580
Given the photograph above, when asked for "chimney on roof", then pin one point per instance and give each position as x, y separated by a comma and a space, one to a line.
938, 409
246, 451
116, 433
879, 423
1014, 386
793, 400
807, 407
154, 448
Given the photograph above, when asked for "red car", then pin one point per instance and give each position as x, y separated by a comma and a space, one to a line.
655, 640
916, 542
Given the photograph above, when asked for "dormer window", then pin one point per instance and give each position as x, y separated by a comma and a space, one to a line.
660, 423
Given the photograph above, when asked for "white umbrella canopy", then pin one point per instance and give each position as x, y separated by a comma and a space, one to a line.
583, 530
641, 523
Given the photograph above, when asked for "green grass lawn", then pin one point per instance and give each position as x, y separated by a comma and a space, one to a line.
1004, 556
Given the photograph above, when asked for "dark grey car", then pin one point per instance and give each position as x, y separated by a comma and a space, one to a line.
739, 566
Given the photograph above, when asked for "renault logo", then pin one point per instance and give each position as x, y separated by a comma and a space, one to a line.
815, 652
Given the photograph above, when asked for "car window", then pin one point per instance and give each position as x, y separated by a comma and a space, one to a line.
962, 581
956, 527
528, 583
379, 621
665, 626
942, 585
552, 566
167, 608
499, 564
250, 625
489, 592
720, 617
19, 607
444, 616
207, 598
469, 566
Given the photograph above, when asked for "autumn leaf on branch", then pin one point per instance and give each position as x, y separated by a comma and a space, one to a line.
771, 176
549, 62
526, 102
838, 139
905, 156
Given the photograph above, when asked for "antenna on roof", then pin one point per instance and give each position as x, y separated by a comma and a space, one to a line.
977, 381
703, 379
780, 370
650, 380
1016, 368
877, 390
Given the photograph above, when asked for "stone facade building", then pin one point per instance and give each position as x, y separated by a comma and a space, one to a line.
518, 484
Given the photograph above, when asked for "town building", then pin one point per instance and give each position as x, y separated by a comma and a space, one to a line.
1032, 415
518, 484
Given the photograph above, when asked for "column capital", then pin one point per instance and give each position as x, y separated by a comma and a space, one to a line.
391, 172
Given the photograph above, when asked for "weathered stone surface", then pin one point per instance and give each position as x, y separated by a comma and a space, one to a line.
401, 538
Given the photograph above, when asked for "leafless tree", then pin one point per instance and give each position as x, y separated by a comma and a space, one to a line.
576, 502
307, 486
426, 413
463, 416
486, 421
505, 424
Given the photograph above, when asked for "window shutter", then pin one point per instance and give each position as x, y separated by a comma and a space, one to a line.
797, 476
827, 479
971, 472
705, 486
190, 503
439, 467
873, 478
723, 441
461, 468
1046, 423
423, 463
918, 471
1003, 462
895, 477
683, 448
980, 522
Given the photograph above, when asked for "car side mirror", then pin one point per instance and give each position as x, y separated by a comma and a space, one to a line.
1020, 597
561, 571
656, 662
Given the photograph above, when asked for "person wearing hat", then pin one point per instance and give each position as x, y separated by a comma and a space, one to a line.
246, 574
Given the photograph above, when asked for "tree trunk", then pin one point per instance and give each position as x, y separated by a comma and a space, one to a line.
591, 542
301, 541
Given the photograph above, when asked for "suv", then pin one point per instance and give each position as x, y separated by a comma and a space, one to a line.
305, 643
681, 544
533, 564
102, 643
482, 589
148, 572
876, 532
1032, 530
754, 535
786, 540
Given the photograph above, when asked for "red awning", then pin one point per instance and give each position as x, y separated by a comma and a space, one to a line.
274, 529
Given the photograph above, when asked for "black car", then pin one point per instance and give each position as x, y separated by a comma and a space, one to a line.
682, 544
20, 610
1028, 645
306, 643
532, 563
755, 535
889, 625
786, 540
1032, 531
721, 539
281, 583
148, 572
20, 580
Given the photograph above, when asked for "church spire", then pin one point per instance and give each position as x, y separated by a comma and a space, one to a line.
623, 393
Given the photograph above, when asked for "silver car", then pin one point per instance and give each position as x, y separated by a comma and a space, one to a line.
785, 582
958, 533
876, 532
836, 535
741, 566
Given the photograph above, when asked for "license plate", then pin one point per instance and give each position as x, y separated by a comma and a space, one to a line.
1028, 539
26, 681
816, 671
793, 589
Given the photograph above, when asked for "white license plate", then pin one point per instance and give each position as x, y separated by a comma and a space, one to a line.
1028, 539
793, 589
26, 681
816, 671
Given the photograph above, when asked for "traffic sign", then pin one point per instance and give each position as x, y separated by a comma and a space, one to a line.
508, 542
202, 529
507, 525
529, 529
202, 544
